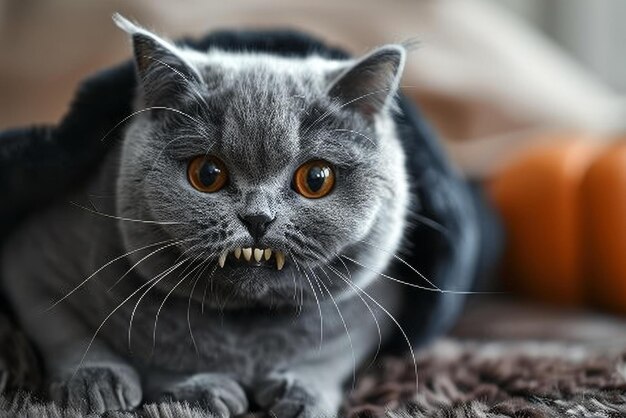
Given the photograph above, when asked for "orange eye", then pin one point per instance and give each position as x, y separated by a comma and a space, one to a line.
207, 173
314, 179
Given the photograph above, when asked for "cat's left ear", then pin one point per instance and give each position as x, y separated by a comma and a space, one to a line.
163, 72
370, 84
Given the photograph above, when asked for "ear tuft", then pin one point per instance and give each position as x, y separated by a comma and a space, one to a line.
370, 84
125, 24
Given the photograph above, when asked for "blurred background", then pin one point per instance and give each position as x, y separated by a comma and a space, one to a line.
488, 70
527, 96
591, 31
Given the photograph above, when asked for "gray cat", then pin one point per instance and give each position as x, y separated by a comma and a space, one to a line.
213, 264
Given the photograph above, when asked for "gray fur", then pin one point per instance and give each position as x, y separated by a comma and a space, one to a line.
222, 332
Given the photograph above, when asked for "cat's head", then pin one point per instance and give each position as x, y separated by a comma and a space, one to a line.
257, 172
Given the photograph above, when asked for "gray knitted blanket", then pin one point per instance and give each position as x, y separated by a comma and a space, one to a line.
503, 360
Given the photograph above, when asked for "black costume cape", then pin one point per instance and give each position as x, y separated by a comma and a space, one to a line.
447, 242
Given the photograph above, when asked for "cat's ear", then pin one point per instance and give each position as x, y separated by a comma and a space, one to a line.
163, 73
370, 84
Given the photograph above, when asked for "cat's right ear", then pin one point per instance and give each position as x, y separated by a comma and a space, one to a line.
370, 84
163, 72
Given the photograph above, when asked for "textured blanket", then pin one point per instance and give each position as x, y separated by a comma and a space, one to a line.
503, 360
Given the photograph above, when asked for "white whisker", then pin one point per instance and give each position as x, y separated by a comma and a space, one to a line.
330, 111
188, 250
146, 257
155, 281
191, 292
319, 306
404, 335
356, 133
147, 109
417, 286
120, 218
189, 83
206, 286
204, 266
371, 93
298, 301
369, 308
345, 325
102, 268
429, 289
156, 318
93, 338
132, 315
402, 261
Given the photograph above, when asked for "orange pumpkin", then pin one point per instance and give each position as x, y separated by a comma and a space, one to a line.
603, 203
538, 197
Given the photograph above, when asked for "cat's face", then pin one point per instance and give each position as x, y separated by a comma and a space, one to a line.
258, 172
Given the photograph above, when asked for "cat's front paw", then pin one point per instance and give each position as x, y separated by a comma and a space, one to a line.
220, 394
97, 389
285, 396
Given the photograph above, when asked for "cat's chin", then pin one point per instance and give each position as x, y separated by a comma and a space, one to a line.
238, 286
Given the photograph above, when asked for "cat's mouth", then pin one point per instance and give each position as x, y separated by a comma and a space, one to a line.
253, 257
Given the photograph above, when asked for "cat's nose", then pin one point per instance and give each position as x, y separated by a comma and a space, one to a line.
257, 223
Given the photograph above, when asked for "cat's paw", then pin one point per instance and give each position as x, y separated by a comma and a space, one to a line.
97, 389
220, 394
285, 396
